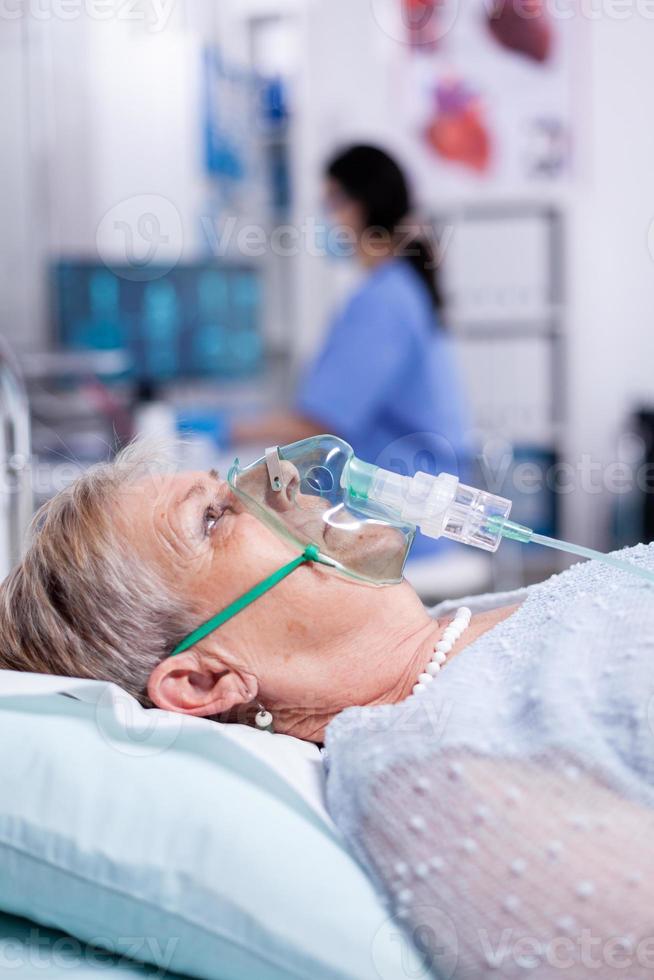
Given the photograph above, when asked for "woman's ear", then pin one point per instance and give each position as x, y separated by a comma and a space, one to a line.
194, 685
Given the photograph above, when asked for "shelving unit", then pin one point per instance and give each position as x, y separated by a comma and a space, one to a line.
504, 287
505, 296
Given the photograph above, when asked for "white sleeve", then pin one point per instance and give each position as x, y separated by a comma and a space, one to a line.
518, 868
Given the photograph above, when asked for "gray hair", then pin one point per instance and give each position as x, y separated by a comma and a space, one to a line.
82, 603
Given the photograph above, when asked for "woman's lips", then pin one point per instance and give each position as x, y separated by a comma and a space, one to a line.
355, 542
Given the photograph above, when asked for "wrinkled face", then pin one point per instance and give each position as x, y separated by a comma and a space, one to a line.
207, 546
192, 528
301, 648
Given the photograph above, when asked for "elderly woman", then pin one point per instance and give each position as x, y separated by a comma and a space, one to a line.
496, 776
129, 559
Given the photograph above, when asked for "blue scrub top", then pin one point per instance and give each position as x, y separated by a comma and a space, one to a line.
387, 382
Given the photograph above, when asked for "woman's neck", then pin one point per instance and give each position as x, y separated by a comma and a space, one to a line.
420, 653
362, 660
373, 257
374, 664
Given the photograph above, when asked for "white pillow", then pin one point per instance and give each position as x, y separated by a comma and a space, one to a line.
297, 762
116, 823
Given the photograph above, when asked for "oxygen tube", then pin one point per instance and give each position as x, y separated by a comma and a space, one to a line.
441, 506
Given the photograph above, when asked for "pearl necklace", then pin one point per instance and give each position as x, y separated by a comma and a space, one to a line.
453, 631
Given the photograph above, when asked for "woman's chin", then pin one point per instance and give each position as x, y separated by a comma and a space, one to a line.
379, 558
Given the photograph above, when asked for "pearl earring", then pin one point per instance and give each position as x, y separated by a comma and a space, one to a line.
264, 720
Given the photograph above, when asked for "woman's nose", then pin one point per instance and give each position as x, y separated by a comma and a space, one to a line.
282, 500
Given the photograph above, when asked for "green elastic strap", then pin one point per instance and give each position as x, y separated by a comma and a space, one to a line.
310, 553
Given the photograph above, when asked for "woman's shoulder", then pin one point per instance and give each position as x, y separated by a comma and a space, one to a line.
395, 291
397, 276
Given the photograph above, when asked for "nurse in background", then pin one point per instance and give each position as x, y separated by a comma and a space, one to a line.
385, 380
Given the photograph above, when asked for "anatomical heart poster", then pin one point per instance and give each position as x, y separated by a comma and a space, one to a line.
489, 89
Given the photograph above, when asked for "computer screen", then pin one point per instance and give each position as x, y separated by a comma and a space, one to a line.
195, 320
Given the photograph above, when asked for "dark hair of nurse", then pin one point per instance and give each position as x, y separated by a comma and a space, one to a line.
367, 190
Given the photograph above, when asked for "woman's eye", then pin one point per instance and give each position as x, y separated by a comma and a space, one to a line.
211, 518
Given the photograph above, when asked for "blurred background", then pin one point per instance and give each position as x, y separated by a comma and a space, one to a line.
166, 263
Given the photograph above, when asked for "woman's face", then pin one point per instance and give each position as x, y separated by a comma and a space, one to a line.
210, 551
342, 211
194, 526
198, 535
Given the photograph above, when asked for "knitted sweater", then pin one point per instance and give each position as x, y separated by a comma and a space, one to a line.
508, 812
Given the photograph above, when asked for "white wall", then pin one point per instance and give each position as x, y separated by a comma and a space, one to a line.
146, 128
611, 271
95, 112
20, 304
107, 114
344, 92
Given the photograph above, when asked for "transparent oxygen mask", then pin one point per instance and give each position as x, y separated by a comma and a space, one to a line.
304, 492
362, 519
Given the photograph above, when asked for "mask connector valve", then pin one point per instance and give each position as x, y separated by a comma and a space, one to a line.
442, 507
274, 467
